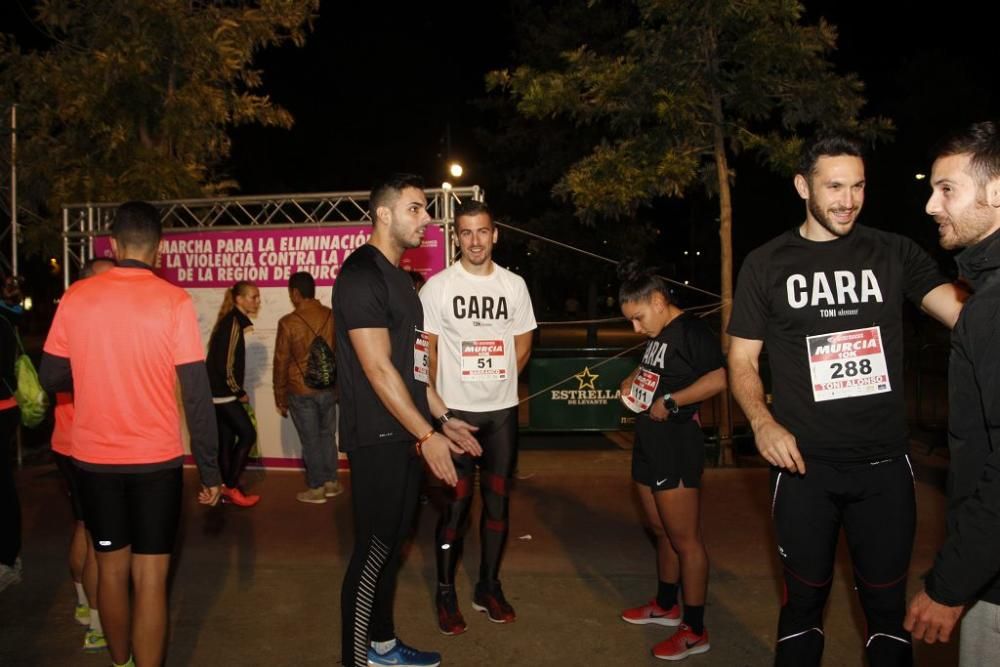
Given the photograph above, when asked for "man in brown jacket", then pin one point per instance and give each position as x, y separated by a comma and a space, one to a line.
313, 411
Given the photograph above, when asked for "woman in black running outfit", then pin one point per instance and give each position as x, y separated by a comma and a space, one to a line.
226, 362
681, 366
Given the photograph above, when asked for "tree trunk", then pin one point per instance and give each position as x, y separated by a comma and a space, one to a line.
726, 456
726, 260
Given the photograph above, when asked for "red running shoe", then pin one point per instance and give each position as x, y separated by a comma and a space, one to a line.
491, 600
450, 619
237, 497
653, 613
684, 643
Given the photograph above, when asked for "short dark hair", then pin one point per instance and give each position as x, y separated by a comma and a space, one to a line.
137, 225
471, 207
87, 270
304, 283
639, 284
386, 191
982, 142
828, 145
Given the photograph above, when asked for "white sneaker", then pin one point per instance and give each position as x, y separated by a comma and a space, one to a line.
331, 489
10, 575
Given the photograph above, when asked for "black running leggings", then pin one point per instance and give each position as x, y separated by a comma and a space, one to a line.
236, 438
385, 484
498, 437
874, 502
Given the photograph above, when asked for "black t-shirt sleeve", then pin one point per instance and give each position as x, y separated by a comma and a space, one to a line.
750, 305
703, 349
920, 272
363, 297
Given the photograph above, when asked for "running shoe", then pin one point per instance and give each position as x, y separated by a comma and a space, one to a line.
652, 613
683, 643
82, 614
450, 620
402, 655
314, 496
490, 599
332, 489
10, 574
237, 497
94, 641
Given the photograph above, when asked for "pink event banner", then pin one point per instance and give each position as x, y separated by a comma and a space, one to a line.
210, 258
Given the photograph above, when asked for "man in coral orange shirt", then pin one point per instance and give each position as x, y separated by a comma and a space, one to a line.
122, 341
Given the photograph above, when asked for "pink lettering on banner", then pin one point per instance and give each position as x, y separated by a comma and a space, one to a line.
211, 258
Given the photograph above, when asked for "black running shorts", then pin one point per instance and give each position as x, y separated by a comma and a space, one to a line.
140, 510
668, 454
69, 471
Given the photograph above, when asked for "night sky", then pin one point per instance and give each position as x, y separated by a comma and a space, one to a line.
381, 87
376, 91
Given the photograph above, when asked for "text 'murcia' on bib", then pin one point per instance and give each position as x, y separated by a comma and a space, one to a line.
848, 364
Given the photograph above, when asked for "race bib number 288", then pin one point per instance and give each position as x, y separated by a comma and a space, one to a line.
848, 364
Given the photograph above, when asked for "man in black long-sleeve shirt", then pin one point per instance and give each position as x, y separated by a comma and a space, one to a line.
965, 204
122, 341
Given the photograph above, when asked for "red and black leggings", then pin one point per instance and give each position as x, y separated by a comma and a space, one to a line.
874, 502
498, 437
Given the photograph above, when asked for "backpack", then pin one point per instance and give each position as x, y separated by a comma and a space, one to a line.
32, 400
321, 366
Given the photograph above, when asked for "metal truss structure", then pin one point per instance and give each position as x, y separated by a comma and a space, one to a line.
82, 222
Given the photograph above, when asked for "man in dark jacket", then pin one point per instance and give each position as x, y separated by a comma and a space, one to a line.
965, 204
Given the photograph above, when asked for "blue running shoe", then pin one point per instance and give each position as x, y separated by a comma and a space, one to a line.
402, 655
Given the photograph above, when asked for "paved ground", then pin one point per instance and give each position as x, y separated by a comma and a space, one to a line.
261, 586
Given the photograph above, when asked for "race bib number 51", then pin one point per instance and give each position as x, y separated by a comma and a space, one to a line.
483, 361
848, 364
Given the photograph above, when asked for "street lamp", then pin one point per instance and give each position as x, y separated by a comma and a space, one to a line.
455, 169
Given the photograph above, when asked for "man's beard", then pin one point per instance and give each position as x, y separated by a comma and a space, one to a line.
826, 223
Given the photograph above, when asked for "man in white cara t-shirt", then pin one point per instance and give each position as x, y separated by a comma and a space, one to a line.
479, 319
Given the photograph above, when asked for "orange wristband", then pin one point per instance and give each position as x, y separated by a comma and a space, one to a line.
422, 440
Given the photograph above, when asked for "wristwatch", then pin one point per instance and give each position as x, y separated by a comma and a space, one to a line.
670, 404
445, 418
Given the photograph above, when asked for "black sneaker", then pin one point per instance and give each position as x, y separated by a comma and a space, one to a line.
450, 620
490, 599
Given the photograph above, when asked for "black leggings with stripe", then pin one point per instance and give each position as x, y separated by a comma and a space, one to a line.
875, 504
497, 435
385, 485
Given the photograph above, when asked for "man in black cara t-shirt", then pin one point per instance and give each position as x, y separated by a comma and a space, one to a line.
826, 298
386, 406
